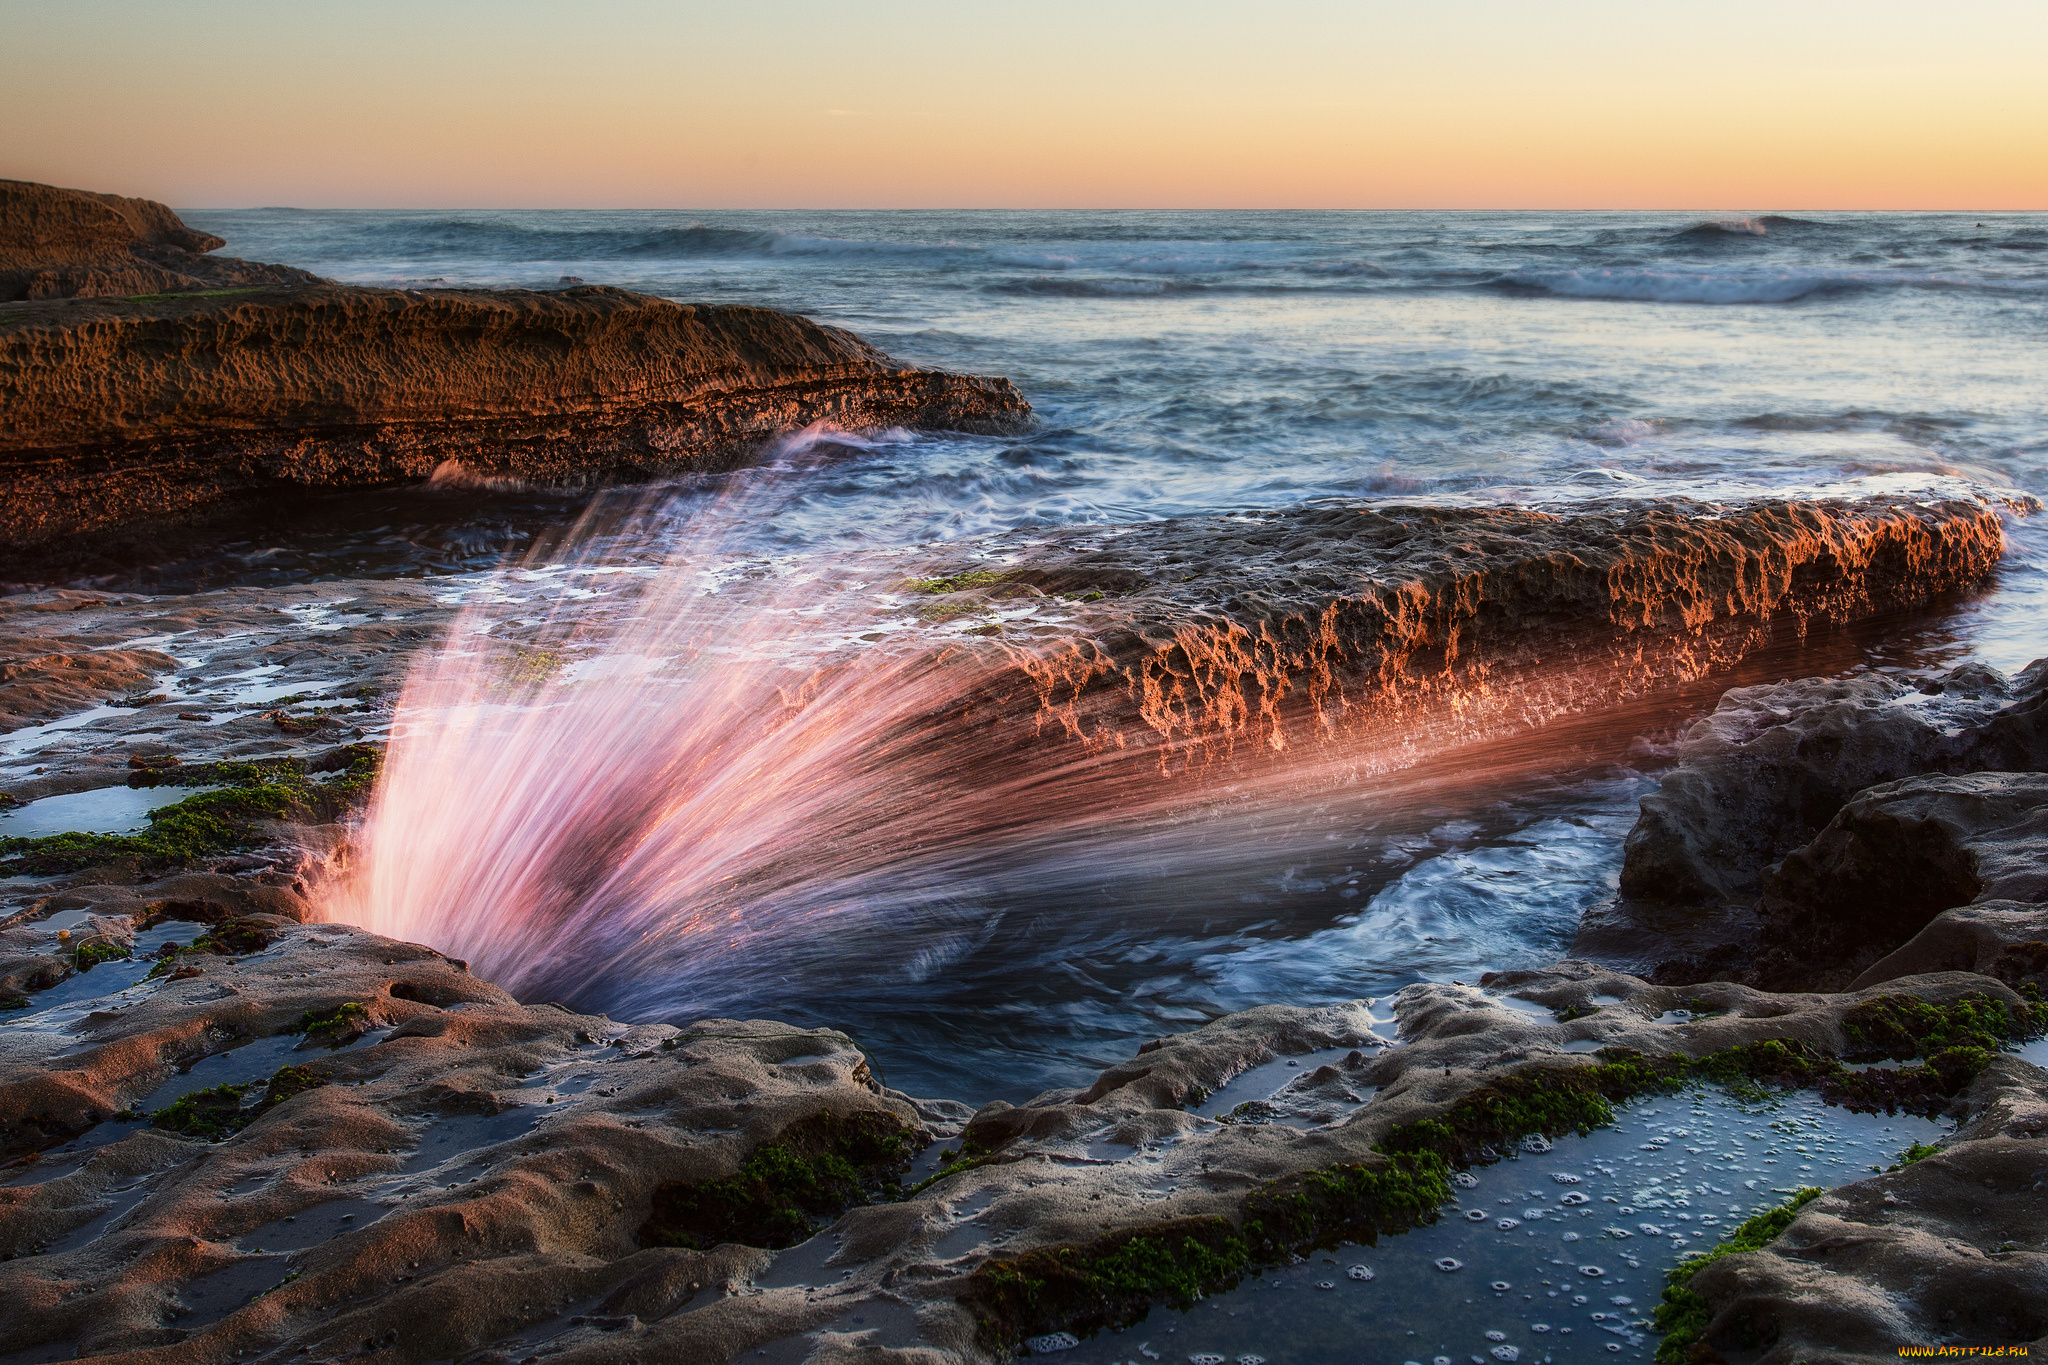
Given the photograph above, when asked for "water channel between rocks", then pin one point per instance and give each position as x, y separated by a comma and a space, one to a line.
1550, 1256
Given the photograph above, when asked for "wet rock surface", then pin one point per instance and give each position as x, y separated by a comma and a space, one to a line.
453, 1169
412, 1166
1812, 828
1275, 629
1948, 1251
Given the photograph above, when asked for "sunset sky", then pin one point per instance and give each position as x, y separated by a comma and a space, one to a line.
793, 103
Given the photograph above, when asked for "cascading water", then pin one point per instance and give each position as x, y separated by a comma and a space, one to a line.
683, 785
724, 781
689, 765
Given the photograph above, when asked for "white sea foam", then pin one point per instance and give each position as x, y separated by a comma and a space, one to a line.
1624, 431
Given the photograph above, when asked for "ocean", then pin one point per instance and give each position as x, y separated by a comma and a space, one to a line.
1186, 363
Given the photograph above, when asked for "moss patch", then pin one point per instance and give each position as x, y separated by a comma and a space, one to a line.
1554, 1099
221, 1112
209, 1114
1110, 1282
522, 667
1684, 1313
814, 1170
338, 1026
1116, 1279
230, 937
1346, 1204
965, 581
1919, 1151
1902, 1027
207, 824
90, 955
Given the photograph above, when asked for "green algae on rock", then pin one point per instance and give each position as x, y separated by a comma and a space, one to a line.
205, 824
814, 1170
1683, 1314
1110, 1282
222, 1111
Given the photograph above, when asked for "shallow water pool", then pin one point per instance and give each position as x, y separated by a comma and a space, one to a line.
1543, 1258
104, 810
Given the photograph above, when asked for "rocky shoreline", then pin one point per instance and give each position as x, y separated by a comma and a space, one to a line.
135, 397
418, 1167
234, 1133
520, 1179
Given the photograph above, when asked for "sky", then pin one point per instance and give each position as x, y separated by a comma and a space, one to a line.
1792, 104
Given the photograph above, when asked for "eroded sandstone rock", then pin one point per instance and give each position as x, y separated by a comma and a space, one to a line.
143, 378
1273, 631
123, 409
58, 243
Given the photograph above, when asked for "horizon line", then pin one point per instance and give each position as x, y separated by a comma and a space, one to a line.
853, 208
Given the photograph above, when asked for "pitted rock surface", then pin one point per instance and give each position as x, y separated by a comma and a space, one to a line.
1270, 631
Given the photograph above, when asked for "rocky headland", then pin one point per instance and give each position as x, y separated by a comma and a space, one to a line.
137, 395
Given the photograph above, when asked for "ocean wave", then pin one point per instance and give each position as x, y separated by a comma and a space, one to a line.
1069, 287
1677, 286
1623, 431
502, 241
1344, 268
1189, 265
1725, 287
1760, 226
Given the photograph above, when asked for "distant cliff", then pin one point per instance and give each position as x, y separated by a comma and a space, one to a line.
126, 405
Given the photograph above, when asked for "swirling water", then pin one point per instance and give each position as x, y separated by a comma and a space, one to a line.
1193, 362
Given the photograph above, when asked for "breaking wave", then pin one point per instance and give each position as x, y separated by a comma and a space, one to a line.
1720, 287
1760, 226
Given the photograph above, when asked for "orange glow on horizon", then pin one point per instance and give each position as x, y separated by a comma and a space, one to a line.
1467, 104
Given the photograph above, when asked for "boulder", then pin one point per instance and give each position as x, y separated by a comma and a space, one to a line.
1893, 858
2005, 939
1769, 779
1772, 765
